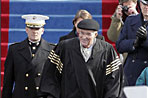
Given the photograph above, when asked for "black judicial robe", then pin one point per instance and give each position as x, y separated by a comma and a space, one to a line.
67, 75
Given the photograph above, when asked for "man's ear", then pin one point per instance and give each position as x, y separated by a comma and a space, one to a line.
96, 33
42, 30
26, 30
78, 32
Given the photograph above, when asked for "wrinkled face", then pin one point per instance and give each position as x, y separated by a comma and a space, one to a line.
144, 9
34, 34
76, 23
87, 37
131, 5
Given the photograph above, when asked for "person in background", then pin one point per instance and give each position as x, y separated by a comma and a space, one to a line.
83, 67
143, 78
80, 15
133, 40
25, 60
123, 10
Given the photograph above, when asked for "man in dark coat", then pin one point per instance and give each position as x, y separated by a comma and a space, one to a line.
133, 40
83, 67
80, 15
25, 61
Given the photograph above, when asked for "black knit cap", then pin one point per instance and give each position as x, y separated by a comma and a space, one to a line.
88, 24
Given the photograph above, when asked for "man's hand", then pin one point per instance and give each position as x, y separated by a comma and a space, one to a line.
141, 36
142, 33
132, 10
119, 11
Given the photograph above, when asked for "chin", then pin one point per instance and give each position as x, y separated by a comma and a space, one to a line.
85, 46
34, 39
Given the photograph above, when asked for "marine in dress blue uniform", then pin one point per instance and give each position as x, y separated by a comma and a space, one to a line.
25, 61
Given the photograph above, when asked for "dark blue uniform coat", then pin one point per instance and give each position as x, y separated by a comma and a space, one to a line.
22, 72
137, 59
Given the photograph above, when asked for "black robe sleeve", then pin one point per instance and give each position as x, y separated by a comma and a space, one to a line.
50, 81
113, 80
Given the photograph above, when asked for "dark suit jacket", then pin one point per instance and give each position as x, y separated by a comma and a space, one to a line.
72, 34
22, 72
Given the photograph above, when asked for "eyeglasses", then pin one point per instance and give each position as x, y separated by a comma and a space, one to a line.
88, 34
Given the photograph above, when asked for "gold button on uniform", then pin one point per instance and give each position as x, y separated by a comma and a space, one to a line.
33, 48
26, 88
27, 75
39, 74
33, 55
145, 62
133, 61
37, 88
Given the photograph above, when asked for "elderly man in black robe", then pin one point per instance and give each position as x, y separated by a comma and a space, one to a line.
83, 67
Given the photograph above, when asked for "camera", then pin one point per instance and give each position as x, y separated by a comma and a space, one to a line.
125, 8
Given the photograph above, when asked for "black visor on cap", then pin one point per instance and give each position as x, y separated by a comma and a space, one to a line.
88, 24
144, 2
34, 26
